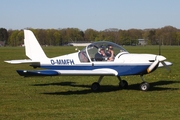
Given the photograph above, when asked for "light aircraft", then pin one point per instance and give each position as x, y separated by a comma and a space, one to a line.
84, 62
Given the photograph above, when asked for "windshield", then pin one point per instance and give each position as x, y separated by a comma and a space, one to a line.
91, 50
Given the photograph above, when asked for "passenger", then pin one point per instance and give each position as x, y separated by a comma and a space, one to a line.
100, 55
110, 53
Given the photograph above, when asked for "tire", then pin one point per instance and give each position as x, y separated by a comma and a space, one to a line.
144, 86
123, 84
95, 87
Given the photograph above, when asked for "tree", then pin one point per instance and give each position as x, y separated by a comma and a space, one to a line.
3, 34
167, 35
42, 36
19, 38
12, 41
90, 35
57, 38
111, 34
178, 37
152, 37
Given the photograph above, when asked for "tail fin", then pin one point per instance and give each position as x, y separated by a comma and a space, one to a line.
32, 46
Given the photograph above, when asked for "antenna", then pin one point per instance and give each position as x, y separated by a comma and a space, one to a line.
159, 47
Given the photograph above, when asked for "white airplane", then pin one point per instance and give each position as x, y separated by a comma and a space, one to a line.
87, 62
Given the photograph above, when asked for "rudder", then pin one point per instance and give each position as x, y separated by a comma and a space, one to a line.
32, 47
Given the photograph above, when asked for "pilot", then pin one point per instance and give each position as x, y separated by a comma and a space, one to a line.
100, 55
110, 53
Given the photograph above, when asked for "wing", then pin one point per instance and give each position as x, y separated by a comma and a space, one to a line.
107, 72
27, 73
25, 61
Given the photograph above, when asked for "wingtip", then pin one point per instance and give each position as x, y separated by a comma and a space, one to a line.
7, 61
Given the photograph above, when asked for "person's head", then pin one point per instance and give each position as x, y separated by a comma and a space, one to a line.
101, 50
110, 47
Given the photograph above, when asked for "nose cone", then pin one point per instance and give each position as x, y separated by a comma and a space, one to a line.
160, 58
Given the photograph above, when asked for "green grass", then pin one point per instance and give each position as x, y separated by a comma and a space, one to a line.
70, 97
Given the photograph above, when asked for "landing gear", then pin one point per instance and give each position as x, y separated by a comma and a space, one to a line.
122, 83
144, 86
96, 85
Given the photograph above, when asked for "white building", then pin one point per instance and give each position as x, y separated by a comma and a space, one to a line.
142, 42
79, 44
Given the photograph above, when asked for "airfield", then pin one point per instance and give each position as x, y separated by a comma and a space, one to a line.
70, 97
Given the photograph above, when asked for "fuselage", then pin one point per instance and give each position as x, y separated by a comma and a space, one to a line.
124, 64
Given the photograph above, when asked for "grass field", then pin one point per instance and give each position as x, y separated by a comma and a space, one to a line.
70, 97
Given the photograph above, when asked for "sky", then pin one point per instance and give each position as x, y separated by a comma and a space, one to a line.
89, 14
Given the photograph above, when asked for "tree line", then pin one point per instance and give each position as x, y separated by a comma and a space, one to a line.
167, 35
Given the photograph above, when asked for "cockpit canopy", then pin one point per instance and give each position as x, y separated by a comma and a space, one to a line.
88, 53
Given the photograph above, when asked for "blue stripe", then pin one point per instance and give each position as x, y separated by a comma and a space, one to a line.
121, 69
37, 72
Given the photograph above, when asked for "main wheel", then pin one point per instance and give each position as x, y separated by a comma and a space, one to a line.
123, 84
95, 87
144, 86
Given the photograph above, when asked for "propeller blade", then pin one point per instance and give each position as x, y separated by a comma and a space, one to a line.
166, 66
152, 66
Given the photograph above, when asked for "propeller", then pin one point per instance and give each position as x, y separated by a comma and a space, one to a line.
161, 59
166, 66
152, 66
163, 62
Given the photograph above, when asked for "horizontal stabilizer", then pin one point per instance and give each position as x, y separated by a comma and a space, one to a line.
27, 73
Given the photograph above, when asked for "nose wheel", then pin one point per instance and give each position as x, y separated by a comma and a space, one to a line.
144, 86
